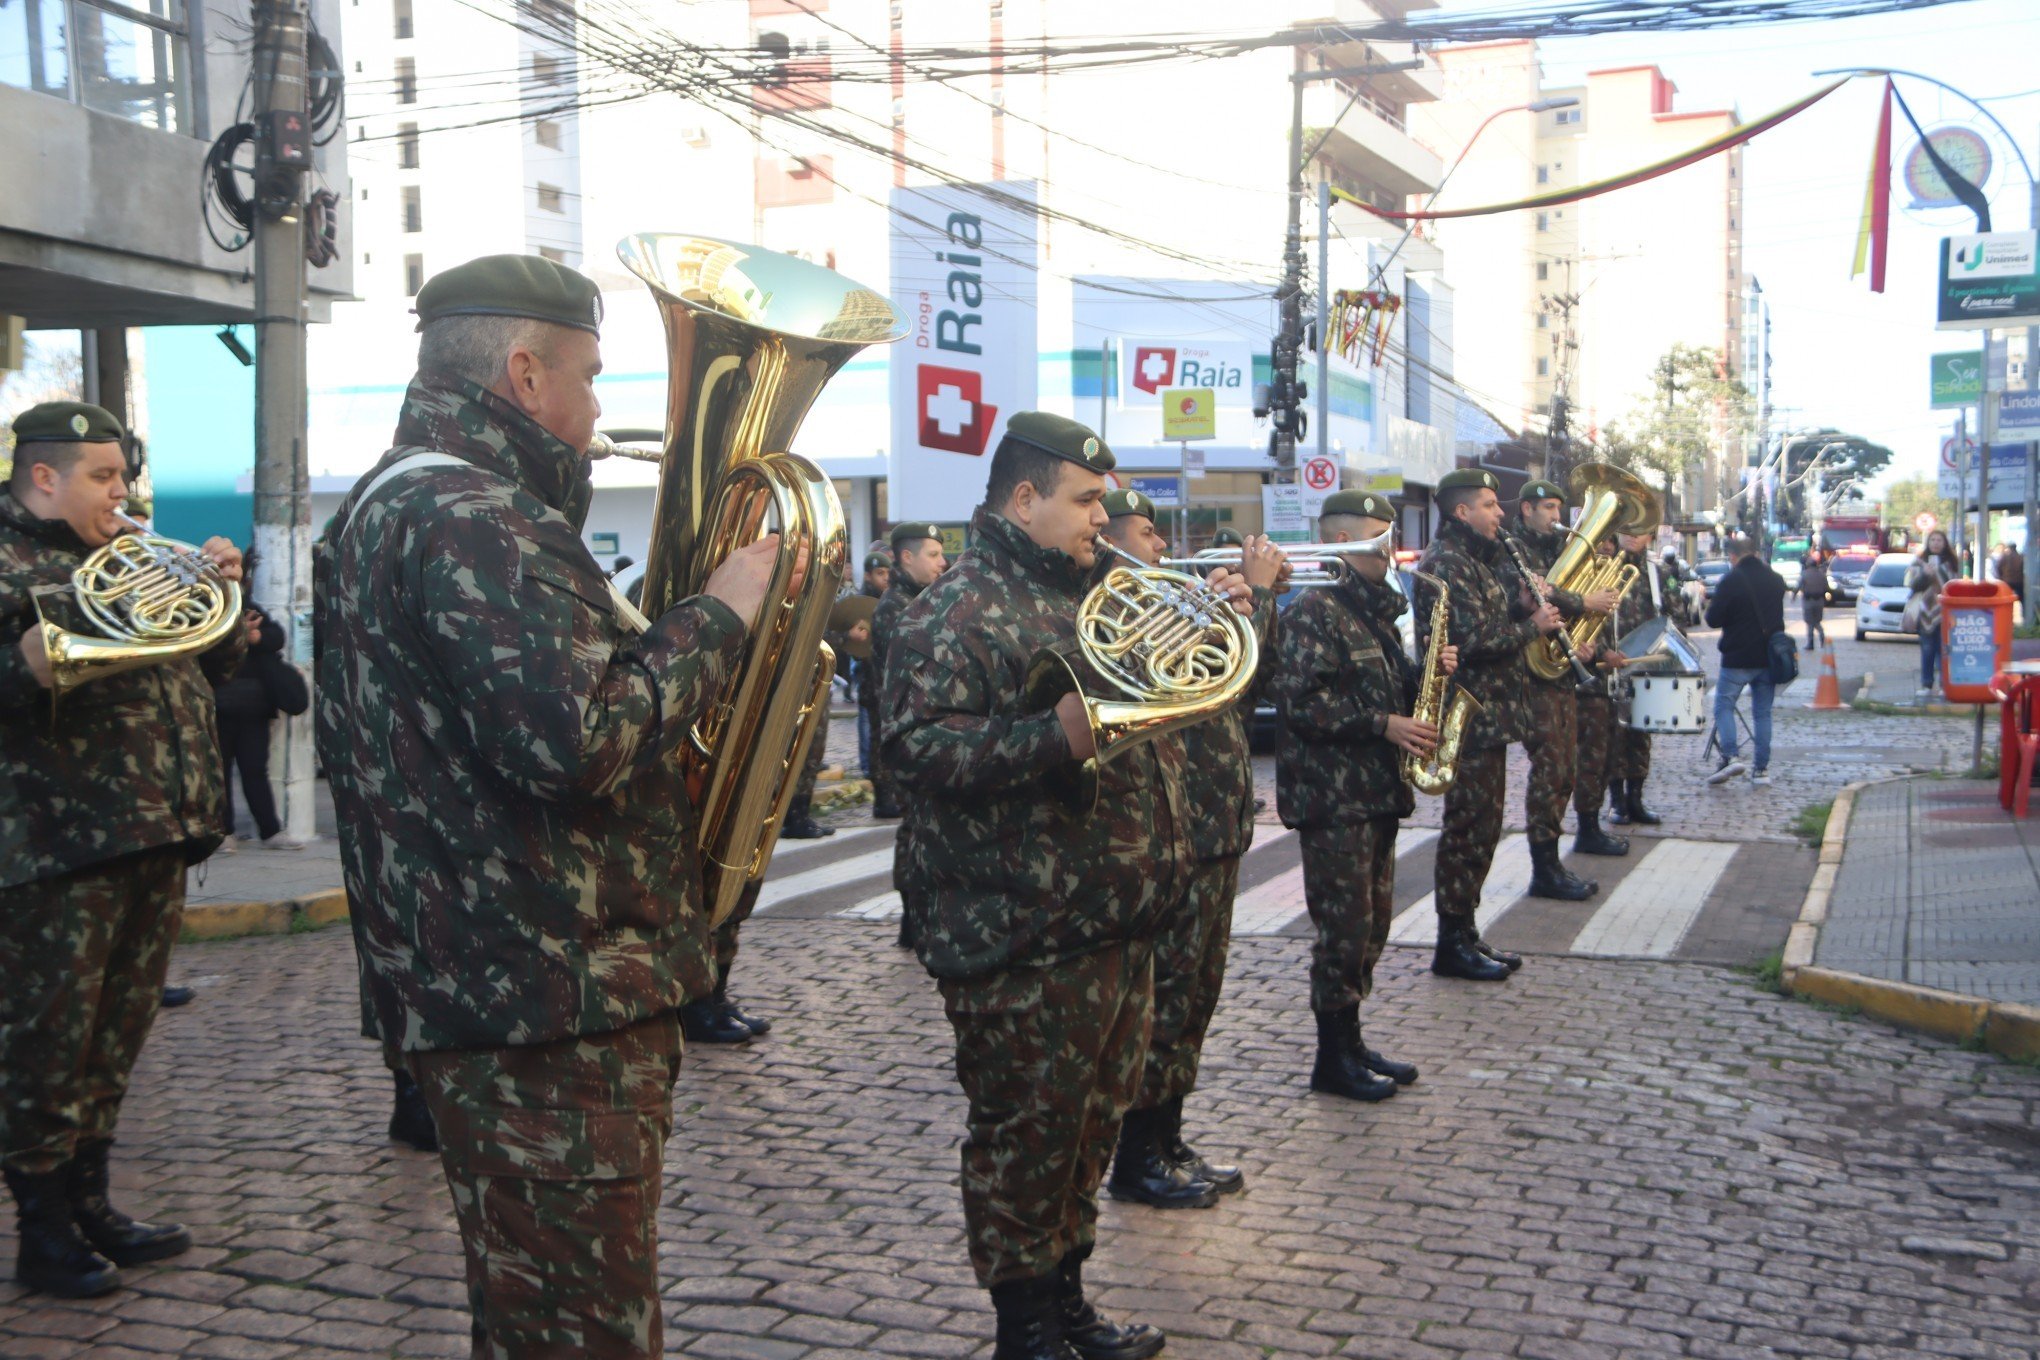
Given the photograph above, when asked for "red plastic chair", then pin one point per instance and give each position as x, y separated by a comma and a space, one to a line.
2018, 742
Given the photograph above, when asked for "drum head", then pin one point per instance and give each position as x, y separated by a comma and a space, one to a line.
1657, 645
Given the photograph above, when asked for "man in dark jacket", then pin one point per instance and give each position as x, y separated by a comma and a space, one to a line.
245, 710
103, 803
1748, 607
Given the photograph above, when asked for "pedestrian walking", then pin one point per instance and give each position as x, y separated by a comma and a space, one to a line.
1749, 609
2011, 569
1935, 567
1813, 597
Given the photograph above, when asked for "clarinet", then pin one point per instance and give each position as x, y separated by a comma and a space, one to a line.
1564, 634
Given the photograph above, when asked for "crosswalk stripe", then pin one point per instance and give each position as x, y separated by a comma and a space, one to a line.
778, 890
1508, 879
786, 850
1269, 908
883, 907
1653, 907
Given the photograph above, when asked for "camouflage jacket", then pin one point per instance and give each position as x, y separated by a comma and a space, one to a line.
884, 619
1340, 674
1488, 624
1541, 551
1010, 879
130, 762
1218, 769
515, 837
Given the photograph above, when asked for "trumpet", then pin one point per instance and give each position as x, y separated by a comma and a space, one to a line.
1311, 564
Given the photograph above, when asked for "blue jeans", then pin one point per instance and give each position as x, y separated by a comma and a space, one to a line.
1762, 691
1930, 657
864, 736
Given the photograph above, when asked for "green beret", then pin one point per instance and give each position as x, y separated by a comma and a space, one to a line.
913, 532
513, 285
1121, 501
1475, 478
1059, 437
1228, 538
67, 422
1372, 504
876, 561
1541, 490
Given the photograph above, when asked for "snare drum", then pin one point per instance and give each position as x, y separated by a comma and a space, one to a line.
1668, 703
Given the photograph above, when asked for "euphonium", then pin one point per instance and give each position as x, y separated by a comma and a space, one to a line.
1176, 649
752, 336
1611, 501
1433, 774
151, 598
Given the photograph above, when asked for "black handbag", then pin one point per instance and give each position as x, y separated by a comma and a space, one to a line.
286, 685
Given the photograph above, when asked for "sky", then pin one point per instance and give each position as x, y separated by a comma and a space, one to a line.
1842, 355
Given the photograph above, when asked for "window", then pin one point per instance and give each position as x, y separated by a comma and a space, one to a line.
1544, 221
1544, 174
553, 253
407, 146
549, 70
414, 274
550, 199
1543, 321
414, 208
407, 81
1543, 271
1568, 116
130, 60
1544, 368
402, 14
547, 132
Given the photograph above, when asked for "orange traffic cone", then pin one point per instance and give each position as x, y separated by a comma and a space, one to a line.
1827, 695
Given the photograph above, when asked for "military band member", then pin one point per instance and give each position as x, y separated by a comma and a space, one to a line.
107, 800
1037, 922
1644, 601
1551, 733
917, 559
1600, 740
1153, 1164
516, 838
864, 674
1344, 688
1490, 623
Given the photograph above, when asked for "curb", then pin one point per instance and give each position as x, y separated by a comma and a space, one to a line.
230, 920
2001, 1027
1863, 704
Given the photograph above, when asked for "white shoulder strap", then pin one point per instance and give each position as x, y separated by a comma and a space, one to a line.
1657, 601
423, 458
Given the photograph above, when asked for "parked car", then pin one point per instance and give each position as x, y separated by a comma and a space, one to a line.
1845, 575
1880, 603
1788, 569
1712, 573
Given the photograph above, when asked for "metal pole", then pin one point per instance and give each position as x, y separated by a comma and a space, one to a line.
283, 510
1289, 334
2032, 447
1324, 307
1989, 422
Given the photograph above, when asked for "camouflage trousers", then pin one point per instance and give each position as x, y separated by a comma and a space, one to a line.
723, 942
1600, 744
885, 790
817, 756
553, 1154
1473, 823
1635, 755
1050, 1059
1554, 757
1349, 888
83, 956
1190, 954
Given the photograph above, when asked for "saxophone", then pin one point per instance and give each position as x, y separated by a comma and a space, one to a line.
1434, 774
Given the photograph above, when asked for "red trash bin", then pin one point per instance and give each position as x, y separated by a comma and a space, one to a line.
1976, 638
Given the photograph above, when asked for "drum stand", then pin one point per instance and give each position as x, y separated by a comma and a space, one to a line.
1746, 734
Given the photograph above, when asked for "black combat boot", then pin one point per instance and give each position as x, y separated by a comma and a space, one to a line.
54, 1256
708, 1022
1459, 955
1638, 811
120, 1239
1502, 956
1030, 1320
1550, 878
1087, 1332
1227, 1180
1401, 1073
1141, 1173
1341, 1068
410, 1117
1618, 802
885, 809
800, 823
758, 1025
1592, 840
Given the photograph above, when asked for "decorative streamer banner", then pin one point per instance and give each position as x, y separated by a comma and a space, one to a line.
1873, 238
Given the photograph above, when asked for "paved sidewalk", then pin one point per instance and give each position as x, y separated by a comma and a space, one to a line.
1938, 887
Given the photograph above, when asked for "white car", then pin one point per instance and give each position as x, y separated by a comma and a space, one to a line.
1880, 604
1788, 569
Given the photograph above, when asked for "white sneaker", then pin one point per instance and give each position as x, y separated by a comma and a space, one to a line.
1760, 778
1730, 767
281, 841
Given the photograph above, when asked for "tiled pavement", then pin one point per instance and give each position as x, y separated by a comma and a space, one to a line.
1603, 1159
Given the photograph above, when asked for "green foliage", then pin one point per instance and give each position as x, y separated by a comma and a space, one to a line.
1905, 499
1697, 406
1769, 974
1810, 824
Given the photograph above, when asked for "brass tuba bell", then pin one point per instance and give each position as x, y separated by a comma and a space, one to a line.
1611, 501
752, 336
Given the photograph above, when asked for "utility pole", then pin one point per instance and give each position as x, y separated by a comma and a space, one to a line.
1558, 420
283, 508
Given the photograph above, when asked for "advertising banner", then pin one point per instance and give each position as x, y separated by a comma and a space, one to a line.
1957, 379
2019, 415
964, 276
1282, 517
1189, 413
1972, 649
1989, 280
1148, 368
2008, 470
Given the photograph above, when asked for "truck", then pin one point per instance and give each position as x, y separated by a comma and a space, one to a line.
1861, 532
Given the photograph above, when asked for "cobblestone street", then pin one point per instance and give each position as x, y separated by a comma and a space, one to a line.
1603, 1159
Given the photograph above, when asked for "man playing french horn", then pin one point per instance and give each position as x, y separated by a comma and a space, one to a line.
1037, 920
1344, 689
109, 792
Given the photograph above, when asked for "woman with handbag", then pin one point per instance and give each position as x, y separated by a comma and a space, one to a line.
247, 704
1813, 595
1935, 568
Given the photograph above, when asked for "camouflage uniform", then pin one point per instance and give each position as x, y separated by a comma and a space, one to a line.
1551, 735
101, 809
1036, 923
1637, 609
1341, 673
887, 791
1600, 739
1489, 625
518, 851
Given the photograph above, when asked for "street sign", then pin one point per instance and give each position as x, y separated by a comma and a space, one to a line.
2008, 466
1320, 474
1189, 413
1989, 280
1384, 483
1925, 522
1193, 462
1163, 490
1958, 379
1282, 517
2019, 415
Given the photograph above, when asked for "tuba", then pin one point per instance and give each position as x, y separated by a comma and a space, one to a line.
1173, 652
149, 600
1611, 501
1434, 774
752, 336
